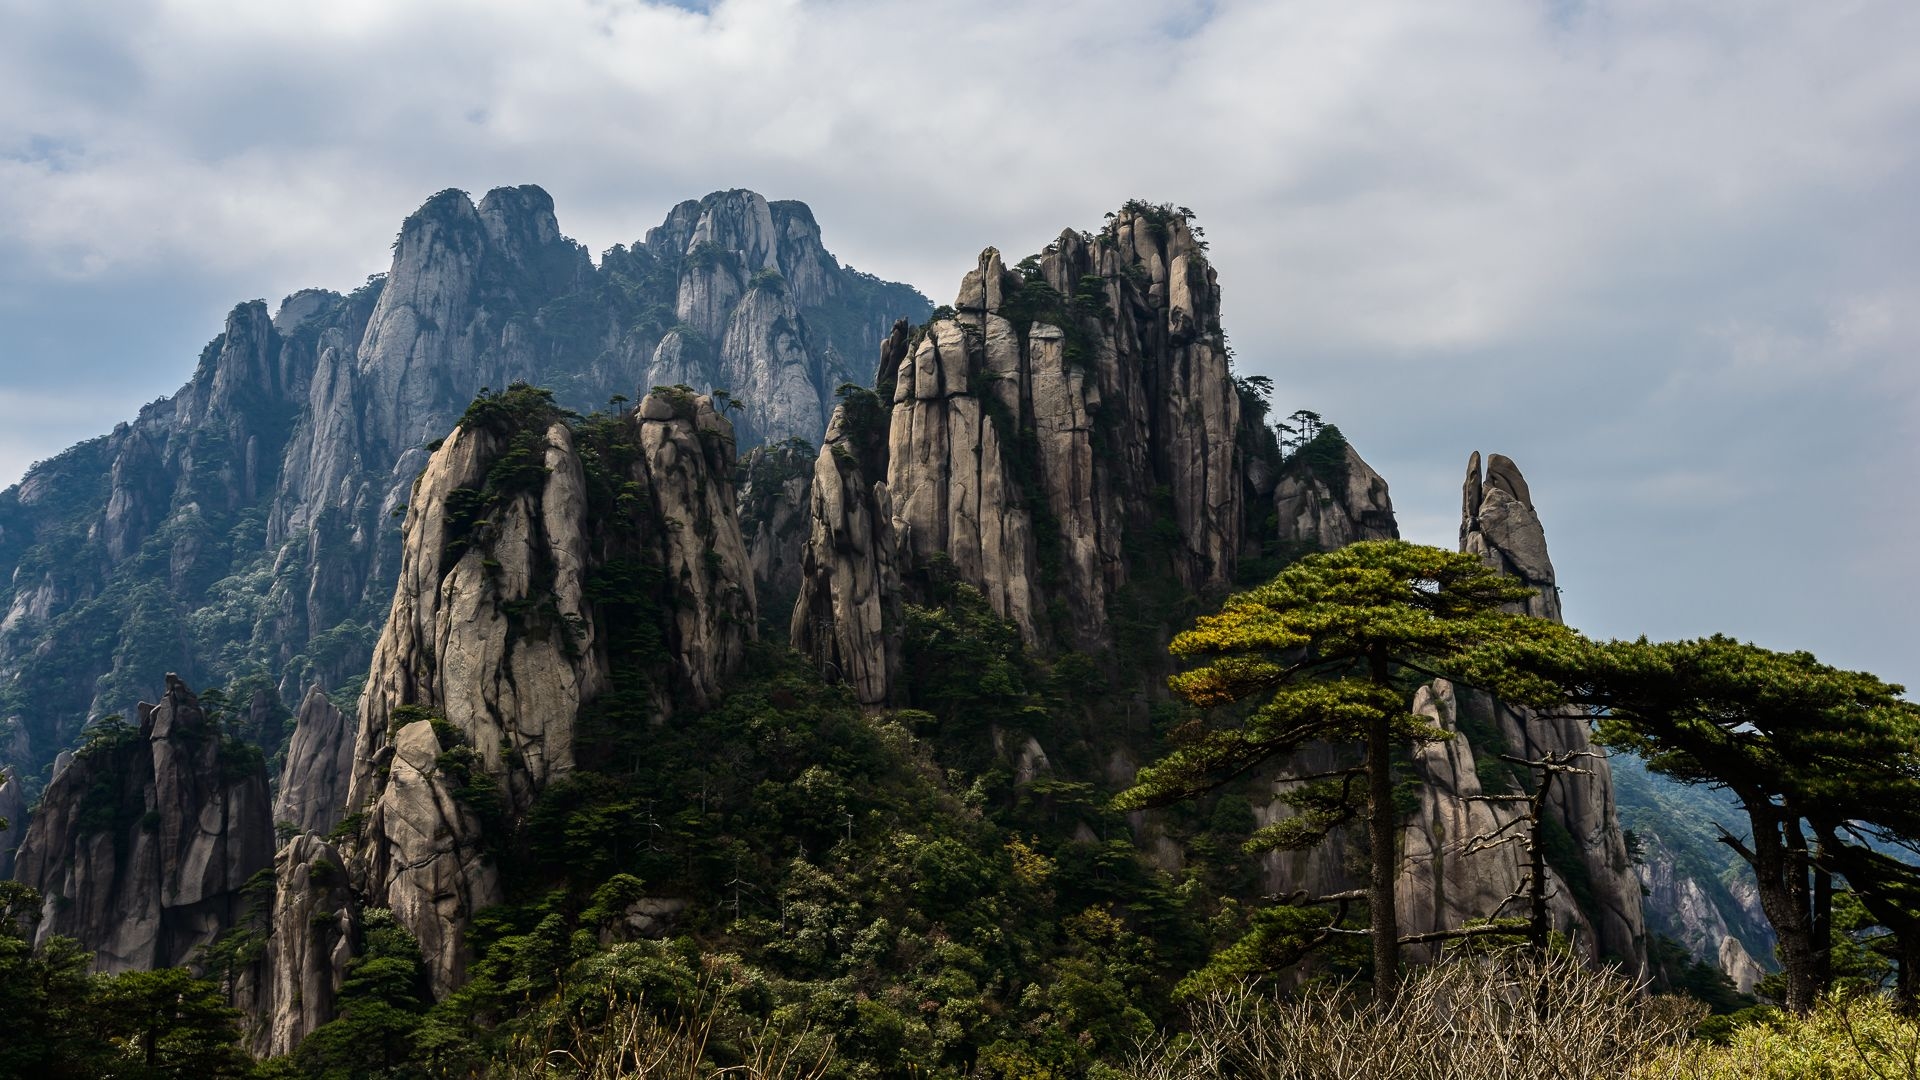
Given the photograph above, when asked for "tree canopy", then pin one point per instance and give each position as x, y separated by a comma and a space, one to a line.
1326, 653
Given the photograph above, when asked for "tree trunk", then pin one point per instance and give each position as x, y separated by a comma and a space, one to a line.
1786, 906
1382, 839
1822, 925
1539, 926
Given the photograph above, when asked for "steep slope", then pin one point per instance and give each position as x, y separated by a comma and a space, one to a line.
143, 844
526, 536
1499, 523
1066, 429
313, 784
244, 528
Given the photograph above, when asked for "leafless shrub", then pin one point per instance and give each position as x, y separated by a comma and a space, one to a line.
1493, 1016
631, 1043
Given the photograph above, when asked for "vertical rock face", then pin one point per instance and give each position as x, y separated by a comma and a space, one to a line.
765, 312
313, 785
776, 493
494, 641
311, 941
1498, 523
1070, 425
848, 617
249, 520
143, 844
13, 812
1331, 505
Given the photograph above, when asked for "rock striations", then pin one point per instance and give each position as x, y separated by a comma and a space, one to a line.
496, 638
1067, 426
144, 843
247, 522
1327, 501
313, 784
1498, 522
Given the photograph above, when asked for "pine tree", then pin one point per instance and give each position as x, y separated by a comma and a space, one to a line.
1321, 653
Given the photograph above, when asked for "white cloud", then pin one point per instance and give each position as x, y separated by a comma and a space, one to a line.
1657, 252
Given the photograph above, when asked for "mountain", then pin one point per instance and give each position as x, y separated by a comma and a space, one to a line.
578, 753
148, 837
243, 532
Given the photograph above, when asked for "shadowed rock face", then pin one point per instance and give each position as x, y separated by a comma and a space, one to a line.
1326, 512
776, 489
13, 811
313, 929
493, 643
143, 843
258, 504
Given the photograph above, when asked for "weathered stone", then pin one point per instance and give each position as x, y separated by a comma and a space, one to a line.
1505, 531
311, 940
313, 784
493, 643
313, 421
1331, 511
143, 845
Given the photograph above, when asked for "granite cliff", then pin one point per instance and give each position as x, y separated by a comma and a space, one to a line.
243, 530
1066, 428
522, 529
146, 841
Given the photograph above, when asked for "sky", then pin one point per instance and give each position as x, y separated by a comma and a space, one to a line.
1663, 254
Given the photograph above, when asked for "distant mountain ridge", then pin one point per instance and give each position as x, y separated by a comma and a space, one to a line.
243, 532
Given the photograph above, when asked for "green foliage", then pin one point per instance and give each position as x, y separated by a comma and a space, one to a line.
379, 1009
61, 1023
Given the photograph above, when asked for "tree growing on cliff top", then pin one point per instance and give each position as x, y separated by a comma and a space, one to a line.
1321, 654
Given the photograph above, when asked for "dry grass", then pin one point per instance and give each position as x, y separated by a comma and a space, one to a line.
632, 1043
1504, 1016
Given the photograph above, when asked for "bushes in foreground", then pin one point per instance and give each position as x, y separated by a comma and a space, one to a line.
1515, 1016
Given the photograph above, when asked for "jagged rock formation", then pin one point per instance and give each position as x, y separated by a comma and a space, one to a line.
495, 639
313, 785
1698, 892
1498, 522
247, 522
13, 821
1069, 426
1680, 906
143, 844
1447, 880
776, 488
312, 920
848, 615
1327, 502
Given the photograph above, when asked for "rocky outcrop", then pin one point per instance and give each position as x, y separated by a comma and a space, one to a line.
1071, 425
13, 820
765, 312
848, 617
307, 950
495, 639
1681, 906
1499, 523
1328, 500
258, 505
1456, 868
313, 784
776, 492
143, 845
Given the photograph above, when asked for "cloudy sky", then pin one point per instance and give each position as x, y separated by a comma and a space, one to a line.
1665, 255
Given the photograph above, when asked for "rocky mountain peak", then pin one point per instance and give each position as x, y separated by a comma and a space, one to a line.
497, 636
143, 845
1498, 523
1070, 424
